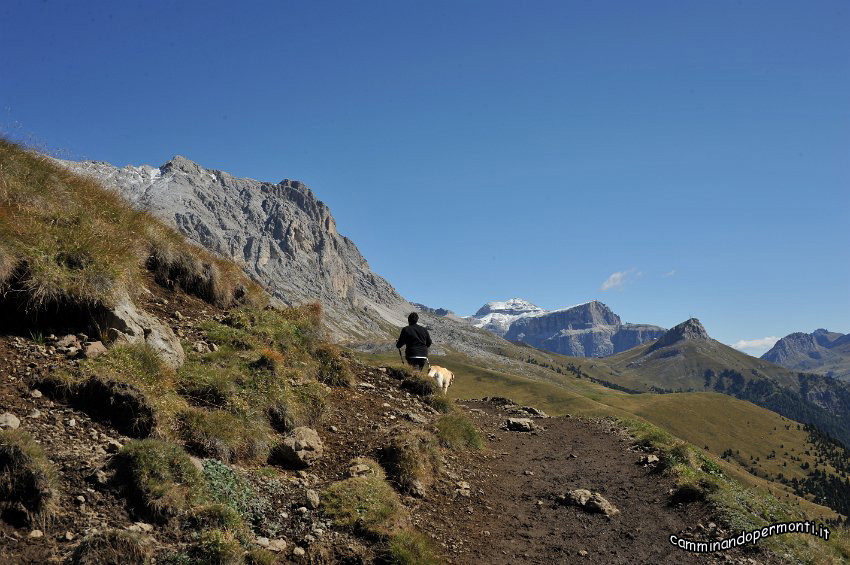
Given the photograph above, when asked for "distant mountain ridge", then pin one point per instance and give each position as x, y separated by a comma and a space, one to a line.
280, 233
590, 329
821, 351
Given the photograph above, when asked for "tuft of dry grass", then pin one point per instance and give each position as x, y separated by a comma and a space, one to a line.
334, 367
111, 547
410, 458
159, 479
27, 478
368, 505
455, 431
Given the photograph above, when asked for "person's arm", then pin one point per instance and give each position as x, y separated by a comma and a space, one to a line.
400, 341
427, 339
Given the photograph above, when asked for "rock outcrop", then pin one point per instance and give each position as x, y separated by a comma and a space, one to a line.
281, 234
586, 330
686, 331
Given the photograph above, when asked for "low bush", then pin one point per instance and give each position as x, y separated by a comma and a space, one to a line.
217, 547
222, 517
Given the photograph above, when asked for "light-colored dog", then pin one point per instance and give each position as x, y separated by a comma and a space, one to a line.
442, 376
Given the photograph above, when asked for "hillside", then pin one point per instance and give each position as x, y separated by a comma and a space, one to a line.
279, 233
821, 351
687, 359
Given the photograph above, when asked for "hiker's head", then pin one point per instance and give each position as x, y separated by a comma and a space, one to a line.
412, 318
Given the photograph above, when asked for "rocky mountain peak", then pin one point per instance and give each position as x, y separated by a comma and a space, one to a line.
513, 306
280, 234
688, 330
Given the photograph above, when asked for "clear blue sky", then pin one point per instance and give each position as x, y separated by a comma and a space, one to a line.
482, 150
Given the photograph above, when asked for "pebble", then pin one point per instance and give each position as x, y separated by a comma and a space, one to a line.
69, 536
298, 552
277, 545
583, 552
263, 542
35, 534
312, 498
35, 393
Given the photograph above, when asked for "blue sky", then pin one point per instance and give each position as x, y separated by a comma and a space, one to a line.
483, 150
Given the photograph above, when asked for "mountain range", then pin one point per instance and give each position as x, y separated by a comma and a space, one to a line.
821, 351
591, 329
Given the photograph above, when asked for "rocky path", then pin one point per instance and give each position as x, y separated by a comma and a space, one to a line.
512, 516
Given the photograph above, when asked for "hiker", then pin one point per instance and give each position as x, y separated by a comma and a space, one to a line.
416, 340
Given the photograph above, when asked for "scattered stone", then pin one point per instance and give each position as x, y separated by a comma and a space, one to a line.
35, 393
312, 499
277, 545
648, 460
69, 536
528, 473
583, 552
80, 500
533, 411
415, 418
201, 347
520, 425
178, 315
71, 423
69, 340
141, 527
367, 386
334, 429
36, 413
589, 501
213, 347
9, 420
35, 534
360, 470
94, 349
262, 542
298, 552
301, 449
463, 489
114, 446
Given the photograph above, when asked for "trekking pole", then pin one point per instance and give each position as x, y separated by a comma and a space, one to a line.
399, 356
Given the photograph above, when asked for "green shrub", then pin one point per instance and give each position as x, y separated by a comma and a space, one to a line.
27, 478
111, 547
440, 402
226, 486
409, 547
368, 505
455, 431
159, 479
260, 556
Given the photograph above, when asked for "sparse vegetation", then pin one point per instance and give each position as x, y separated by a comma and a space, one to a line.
455, 431
334, 368
217, 547
27, 478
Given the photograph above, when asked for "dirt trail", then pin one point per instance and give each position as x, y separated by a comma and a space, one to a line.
512, 516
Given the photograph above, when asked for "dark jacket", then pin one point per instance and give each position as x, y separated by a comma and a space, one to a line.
416, 340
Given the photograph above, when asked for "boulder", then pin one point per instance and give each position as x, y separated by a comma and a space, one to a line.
69, 340
311, 499
589, 501
93, 349
128, 323
520, 425
301, 449
9, 420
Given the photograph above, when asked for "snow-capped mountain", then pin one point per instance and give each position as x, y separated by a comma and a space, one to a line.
498, 316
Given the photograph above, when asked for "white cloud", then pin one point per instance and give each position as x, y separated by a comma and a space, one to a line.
669, 273
760, 344
618, 279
